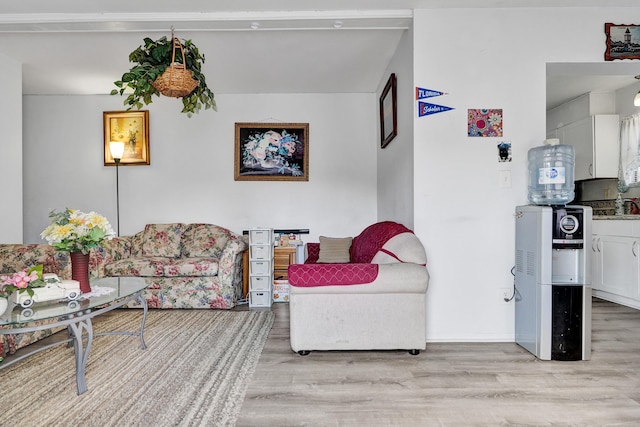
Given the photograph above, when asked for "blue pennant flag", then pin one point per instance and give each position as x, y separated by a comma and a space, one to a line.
427, 93
425, 109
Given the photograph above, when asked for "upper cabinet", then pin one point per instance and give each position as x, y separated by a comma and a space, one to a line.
590, 124
597, 149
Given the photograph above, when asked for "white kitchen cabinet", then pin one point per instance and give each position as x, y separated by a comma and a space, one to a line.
616, 261
596, 263
596, 143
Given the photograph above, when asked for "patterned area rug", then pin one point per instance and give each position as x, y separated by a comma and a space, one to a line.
195, 371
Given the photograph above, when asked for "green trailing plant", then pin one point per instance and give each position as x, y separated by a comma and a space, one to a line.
151, 60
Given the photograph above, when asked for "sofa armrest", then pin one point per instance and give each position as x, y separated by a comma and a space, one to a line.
109, 251
230, 264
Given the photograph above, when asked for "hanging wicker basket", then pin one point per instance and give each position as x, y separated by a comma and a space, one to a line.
176, 81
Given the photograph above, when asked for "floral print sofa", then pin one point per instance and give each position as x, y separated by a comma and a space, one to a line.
16, 257
185, 265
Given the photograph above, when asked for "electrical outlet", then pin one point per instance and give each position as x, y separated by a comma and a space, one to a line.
506, 293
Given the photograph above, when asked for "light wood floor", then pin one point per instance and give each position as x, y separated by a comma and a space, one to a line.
451, 384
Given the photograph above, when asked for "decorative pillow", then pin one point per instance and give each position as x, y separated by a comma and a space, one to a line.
204, 240
334, 250
162, 240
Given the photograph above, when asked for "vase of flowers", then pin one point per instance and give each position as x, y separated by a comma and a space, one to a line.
22, 281
77, 232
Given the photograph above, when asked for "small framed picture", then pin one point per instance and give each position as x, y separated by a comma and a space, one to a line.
388, 112
623, 41
271, 152
132, 128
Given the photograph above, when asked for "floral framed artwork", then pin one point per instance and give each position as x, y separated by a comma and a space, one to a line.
388, 112
132, 128
272, 152
623, 41
484, 122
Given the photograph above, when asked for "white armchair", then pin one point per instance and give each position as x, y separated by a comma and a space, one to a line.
377, 301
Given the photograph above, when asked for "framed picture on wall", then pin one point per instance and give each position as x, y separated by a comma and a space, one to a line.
132, 128
623, 41
388, 112
271, 152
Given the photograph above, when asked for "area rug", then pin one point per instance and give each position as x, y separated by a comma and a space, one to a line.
195, 371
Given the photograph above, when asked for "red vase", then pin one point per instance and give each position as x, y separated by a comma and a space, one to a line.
80, 270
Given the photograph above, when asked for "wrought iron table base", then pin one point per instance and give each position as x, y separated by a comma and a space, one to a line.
77, 324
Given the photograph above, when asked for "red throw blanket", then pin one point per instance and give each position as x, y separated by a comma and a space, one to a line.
308, 275
366, 245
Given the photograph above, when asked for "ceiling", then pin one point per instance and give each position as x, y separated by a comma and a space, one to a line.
567, 81
82, 47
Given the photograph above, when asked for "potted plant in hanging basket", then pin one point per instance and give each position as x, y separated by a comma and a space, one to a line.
170, 68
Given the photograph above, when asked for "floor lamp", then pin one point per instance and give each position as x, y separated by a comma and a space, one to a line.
117, 150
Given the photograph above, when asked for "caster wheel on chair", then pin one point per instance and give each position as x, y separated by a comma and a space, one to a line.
414, 352
304, 352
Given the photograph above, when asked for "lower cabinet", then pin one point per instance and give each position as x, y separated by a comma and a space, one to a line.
616, 264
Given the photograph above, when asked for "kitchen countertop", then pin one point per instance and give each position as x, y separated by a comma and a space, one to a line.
624, 217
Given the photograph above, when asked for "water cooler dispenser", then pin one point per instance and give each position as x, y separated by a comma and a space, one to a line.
552, 281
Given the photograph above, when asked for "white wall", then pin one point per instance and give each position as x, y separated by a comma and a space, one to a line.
395, 161
624, 100
191, 173
11, 150
485, 58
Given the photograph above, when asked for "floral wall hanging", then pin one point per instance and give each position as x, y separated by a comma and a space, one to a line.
485, 122
272, 152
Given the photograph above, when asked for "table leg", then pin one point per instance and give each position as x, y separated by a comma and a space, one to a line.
142, 300
81, 355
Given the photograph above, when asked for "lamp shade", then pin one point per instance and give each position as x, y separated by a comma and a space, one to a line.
636, 100
117, 149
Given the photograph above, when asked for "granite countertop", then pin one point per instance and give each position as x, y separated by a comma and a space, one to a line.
632, 217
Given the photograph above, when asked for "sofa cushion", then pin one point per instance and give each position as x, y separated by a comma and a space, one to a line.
145, 267
162, 240
309, 275
163, 267
334, 249
194, 266
372, 239
204, 240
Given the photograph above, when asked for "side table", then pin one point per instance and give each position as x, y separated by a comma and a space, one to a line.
283, 256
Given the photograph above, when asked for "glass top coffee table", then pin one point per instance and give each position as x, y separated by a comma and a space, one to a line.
111, 293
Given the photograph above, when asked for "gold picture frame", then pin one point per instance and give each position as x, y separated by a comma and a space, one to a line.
271, 152
132, 128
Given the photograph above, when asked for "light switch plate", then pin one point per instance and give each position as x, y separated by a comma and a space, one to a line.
505, 179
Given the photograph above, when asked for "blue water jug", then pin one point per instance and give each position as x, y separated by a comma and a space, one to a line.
551, 175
